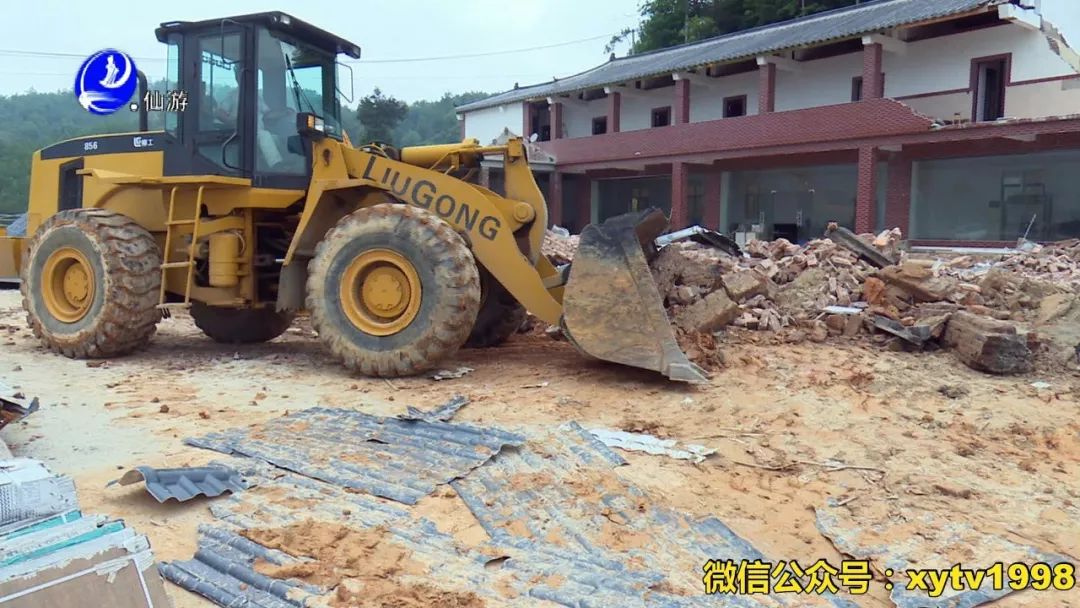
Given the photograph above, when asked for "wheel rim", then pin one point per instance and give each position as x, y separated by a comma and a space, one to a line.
68, 285
380, 292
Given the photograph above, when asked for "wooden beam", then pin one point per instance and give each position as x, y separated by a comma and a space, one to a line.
624, 90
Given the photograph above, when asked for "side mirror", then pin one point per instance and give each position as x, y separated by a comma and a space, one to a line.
533, 138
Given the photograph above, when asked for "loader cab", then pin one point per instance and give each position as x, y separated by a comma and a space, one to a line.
246, 80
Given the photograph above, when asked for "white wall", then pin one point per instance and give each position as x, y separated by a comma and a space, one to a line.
707, 103
488, 123
578, 117
822, 82
944, 63
636, 109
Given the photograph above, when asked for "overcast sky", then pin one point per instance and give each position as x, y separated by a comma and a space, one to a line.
399, 29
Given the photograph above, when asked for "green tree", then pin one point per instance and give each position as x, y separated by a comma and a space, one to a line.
666, 23
379, 114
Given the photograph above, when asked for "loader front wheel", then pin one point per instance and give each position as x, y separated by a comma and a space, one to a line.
240, 325
90, 284
500, 314
392, 290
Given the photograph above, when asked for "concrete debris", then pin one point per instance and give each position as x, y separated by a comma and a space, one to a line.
450, 374
987, 344
709, 314
639, 442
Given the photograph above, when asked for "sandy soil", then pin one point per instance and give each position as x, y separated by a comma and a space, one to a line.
900, 442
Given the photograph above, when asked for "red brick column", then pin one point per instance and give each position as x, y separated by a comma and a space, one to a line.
526, 119
584, 202
712, 199
680, 212
766, 88
898, 195
873, 79
682, 102
866, 192
555, 198
614, 110
556, 120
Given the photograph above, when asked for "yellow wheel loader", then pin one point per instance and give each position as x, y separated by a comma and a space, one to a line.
252, 205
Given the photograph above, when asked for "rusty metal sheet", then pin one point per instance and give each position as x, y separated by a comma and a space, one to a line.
402, 460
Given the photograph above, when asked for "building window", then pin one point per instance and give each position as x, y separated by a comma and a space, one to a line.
735, 106
856, 88
989, 76
997, 198
661, 117
599, 125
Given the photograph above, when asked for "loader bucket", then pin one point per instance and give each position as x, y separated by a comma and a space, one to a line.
612, 309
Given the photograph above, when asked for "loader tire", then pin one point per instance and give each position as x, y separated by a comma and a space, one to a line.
392, 290
240, 325
90, 284
500, 314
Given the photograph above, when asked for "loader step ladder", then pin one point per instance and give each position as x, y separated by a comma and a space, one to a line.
172, 225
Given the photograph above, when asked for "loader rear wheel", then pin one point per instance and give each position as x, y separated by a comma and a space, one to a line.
500, 314
392, 290
240, 325
90, 284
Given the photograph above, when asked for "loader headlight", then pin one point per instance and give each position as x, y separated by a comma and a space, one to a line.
310, 124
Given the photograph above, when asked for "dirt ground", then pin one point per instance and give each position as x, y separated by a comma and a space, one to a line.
895, 440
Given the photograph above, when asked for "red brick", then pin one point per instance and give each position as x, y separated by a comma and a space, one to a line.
766, 88
873, 83
555, 199
681, 106
866, 192
614, 110
680, 211
556, 120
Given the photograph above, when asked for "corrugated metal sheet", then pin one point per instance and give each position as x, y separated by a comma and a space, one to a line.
905, 550
184, 484
565, 529
223, 571
833, 25
563, 506
402, 460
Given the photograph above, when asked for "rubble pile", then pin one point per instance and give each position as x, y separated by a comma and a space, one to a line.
559, 245
833, 288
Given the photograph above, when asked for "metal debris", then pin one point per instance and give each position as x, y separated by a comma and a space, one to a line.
14, 406
640, 442
703, 236
402, 460
844, 310
916, 334
443, 413
183, 484
543, 384
447, 374
28, 490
